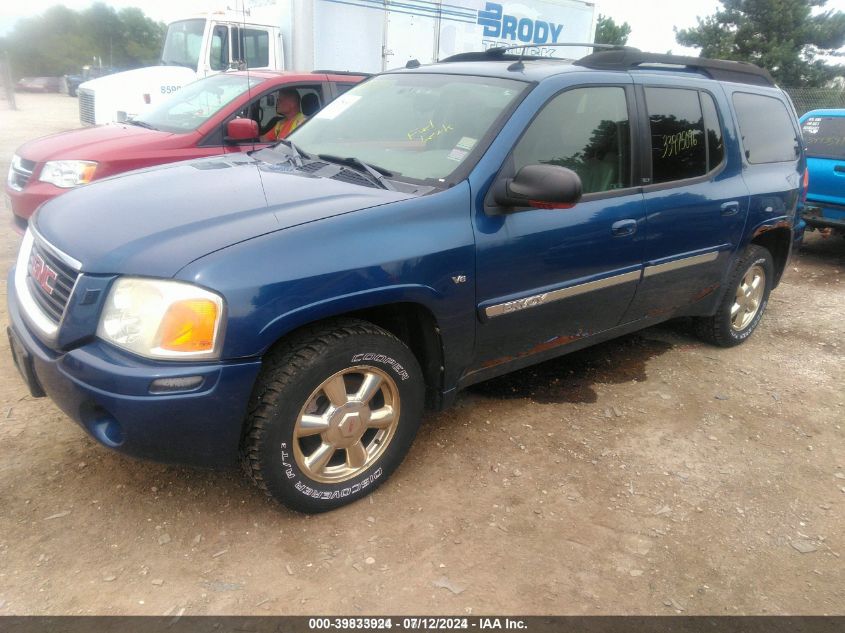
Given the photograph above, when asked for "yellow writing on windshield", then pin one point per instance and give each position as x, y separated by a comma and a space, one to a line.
429, 131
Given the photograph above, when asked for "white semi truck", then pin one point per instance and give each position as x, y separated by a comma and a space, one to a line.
354, 35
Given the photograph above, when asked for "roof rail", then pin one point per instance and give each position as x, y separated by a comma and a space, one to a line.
501, 53
740, 72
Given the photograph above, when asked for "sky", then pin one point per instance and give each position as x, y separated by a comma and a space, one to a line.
651, 21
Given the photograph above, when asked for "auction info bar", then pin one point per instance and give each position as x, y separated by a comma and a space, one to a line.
532, 624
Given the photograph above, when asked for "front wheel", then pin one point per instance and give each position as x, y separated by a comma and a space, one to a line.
744, 302
333, 415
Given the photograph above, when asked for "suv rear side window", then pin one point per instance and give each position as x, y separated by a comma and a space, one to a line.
766, 128
678, 150
586, 130
825, 136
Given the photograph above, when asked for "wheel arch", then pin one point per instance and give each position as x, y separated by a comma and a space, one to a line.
777, 239
412, 322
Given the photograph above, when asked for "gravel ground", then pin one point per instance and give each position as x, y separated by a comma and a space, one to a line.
649, 475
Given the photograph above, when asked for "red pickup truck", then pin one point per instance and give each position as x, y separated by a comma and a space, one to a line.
197, 121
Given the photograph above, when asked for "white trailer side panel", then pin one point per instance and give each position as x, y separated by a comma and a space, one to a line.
347, 36
533, 23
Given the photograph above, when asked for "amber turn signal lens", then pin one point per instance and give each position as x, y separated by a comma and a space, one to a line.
189, 326
87, 173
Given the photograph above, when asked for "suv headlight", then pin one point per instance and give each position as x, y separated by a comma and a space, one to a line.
68, 173
164, 319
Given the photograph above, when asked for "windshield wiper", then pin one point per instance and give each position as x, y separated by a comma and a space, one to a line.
143, 124
378, 173
298, 153
294, 156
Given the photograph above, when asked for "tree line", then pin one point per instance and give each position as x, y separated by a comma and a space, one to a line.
786, 37
60, 41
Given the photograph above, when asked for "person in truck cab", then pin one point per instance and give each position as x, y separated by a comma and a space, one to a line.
287, 107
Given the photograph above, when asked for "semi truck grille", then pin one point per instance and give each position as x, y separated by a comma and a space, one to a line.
20, 172
87, 115
50, 281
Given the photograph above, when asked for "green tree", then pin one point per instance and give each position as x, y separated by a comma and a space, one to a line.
142, 37
608, 32
783, 36
61, 41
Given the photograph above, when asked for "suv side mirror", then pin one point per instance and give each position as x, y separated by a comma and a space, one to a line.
238, 130
540, 186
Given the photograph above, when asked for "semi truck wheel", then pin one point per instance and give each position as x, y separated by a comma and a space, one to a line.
333, 415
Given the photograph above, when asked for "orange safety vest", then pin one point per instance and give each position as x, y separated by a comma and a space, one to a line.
285, 127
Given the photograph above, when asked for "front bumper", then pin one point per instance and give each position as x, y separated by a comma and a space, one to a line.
107, 392
25, 202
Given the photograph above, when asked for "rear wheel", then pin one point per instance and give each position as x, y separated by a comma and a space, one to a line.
333, 415
744, 302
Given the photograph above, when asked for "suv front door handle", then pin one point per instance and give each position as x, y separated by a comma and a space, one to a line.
623, 228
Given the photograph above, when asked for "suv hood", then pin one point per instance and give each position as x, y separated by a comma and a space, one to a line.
154, 222
91, 143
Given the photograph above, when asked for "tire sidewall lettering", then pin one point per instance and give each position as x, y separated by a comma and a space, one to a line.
382, 359
310, 488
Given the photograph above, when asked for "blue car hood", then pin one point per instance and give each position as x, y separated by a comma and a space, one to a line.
155, 221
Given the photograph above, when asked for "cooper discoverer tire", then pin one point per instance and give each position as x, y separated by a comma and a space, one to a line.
332, 415
745, 300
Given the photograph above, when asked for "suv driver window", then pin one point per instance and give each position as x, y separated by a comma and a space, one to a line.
586, 130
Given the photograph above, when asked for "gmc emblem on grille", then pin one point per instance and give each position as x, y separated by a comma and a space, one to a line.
42, 273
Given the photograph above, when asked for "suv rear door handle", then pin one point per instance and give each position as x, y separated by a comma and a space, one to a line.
623, 227
730, 208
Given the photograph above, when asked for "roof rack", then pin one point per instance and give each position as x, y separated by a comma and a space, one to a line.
500, 53
629, 59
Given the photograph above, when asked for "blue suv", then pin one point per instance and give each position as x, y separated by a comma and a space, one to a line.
299, 306
824, 136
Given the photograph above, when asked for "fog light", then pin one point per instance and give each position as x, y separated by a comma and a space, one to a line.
169, 385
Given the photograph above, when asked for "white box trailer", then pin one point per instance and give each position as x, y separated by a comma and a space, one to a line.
342, 35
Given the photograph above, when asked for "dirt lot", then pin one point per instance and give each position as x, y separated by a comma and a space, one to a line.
652, 475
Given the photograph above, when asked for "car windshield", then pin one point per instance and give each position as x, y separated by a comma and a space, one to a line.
183, 43
415, 125
825, 136
196, 103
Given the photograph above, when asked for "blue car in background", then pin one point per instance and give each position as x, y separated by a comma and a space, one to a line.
824, 136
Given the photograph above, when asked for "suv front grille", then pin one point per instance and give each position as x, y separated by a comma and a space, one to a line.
20, 171
87, 114
50, 281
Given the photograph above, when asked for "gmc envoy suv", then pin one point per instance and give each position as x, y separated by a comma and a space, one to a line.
297, 307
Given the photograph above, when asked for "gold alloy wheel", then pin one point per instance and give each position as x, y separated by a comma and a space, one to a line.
346, 424
749, 295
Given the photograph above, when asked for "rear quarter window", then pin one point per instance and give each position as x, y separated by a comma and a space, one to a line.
824, 136
765, 124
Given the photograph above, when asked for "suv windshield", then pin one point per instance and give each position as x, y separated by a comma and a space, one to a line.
183, 43
196, 103
414, 125
824, 136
